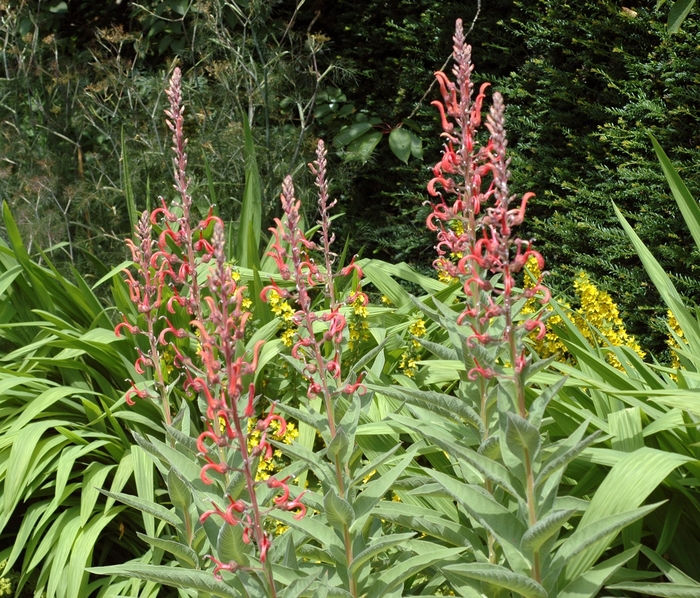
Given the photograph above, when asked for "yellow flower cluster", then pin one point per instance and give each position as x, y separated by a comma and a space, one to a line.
671, 341
358, 326
599, 311
285, 312
457, 226
246, 303
5, 583
597, 318
408, 363
266, 468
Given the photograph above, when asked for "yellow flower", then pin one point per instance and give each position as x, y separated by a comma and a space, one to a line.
288, 337
279, 306
671, 341
358, 306
417, 328
457, 226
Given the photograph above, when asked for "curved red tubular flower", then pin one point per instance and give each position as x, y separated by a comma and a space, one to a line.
264, 424
141, 394
531, 325
352, 267
177, 332
216, 438
297, 504
142, 362
283, 293
174, 236
231, 566
486, 373
181, 301
227, 516
483, 339
204, 224
274, 483
221, 468
333, 367
265, 544
125, 324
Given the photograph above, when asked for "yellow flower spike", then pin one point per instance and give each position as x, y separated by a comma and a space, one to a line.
358, 307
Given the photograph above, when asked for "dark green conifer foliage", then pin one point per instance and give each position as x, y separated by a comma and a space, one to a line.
595, 79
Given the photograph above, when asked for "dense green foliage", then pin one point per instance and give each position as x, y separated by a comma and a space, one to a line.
594, 80
583, 83
463, 463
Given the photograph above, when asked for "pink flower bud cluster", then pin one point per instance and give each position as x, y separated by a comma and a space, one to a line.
220, 372
462, 169
291, 252
476, 229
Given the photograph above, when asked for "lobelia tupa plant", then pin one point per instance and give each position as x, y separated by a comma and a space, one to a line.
231, 529
207, 348
504, 465
357, 512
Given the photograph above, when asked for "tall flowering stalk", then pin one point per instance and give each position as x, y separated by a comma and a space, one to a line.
166, 268
478, 245
220, 372
317, 343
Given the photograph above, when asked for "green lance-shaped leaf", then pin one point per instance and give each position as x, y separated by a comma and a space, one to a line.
679, 11
183, 552
672, 573
492, 470
522, 437
496, 575
560, 461
187, 579
374, 465
483, 507
179, 491
375, 490
339, 512
588, 585
664, 590
381, 545
338, 447
686, 203
543, 530
663, 284
300, 586
628, 484
539, 405
250, 222
400, 141
400, 572
230, 546
586, 536
446, 405
146, 506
